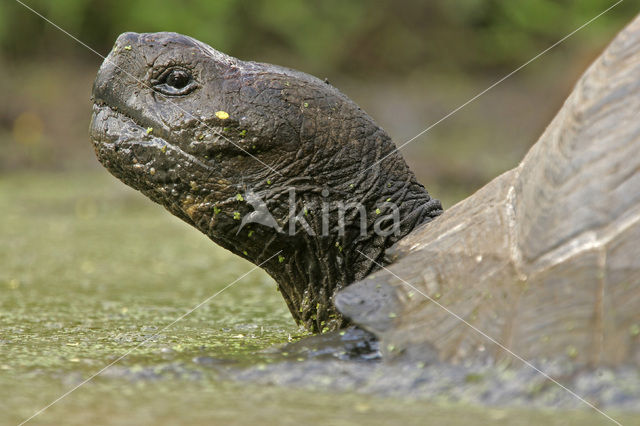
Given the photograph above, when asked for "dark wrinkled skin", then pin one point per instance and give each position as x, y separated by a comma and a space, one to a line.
173, 148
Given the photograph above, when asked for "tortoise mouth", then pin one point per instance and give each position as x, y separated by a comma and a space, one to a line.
111, 131
123, 145
141, 160
146, 162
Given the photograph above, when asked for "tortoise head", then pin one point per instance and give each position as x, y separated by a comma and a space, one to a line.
241, 149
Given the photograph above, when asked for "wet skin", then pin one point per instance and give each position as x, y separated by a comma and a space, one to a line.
196, 130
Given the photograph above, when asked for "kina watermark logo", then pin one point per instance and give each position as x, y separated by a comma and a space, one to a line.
384, 217
260, 213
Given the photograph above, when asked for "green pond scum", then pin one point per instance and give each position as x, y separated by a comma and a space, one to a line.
91, 269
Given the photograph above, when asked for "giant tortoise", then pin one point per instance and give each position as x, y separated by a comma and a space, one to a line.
282, 169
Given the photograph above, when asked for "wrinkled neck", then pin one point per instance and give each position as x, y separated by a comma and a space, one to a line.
338, 232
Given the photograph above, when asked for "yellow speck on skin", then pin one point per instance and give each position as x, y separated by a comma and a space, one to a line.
13, 284
163, 149
149, 130
127, 47
222, 115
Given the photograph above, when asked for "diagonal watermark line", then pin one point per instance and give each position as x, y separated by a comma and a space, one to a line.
121, 357
563, 39
494, 341
149, 87
272, 169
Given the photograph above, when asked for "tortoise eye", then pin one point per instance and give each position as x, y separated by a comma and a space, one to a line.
178, 78
175, 82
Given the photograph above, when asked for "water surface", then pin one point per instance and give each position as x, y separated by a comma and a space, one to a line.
90, 269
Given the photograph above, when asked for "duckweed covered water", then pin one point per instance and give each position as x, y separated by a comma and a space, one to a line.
89, 269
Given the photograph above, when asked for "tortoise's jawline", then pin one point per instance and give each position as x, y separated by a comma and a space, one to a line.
142, 137
99, 127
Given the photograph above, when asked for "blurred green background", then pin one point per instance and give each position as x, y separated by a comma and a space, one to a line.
407, 63
89, 269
